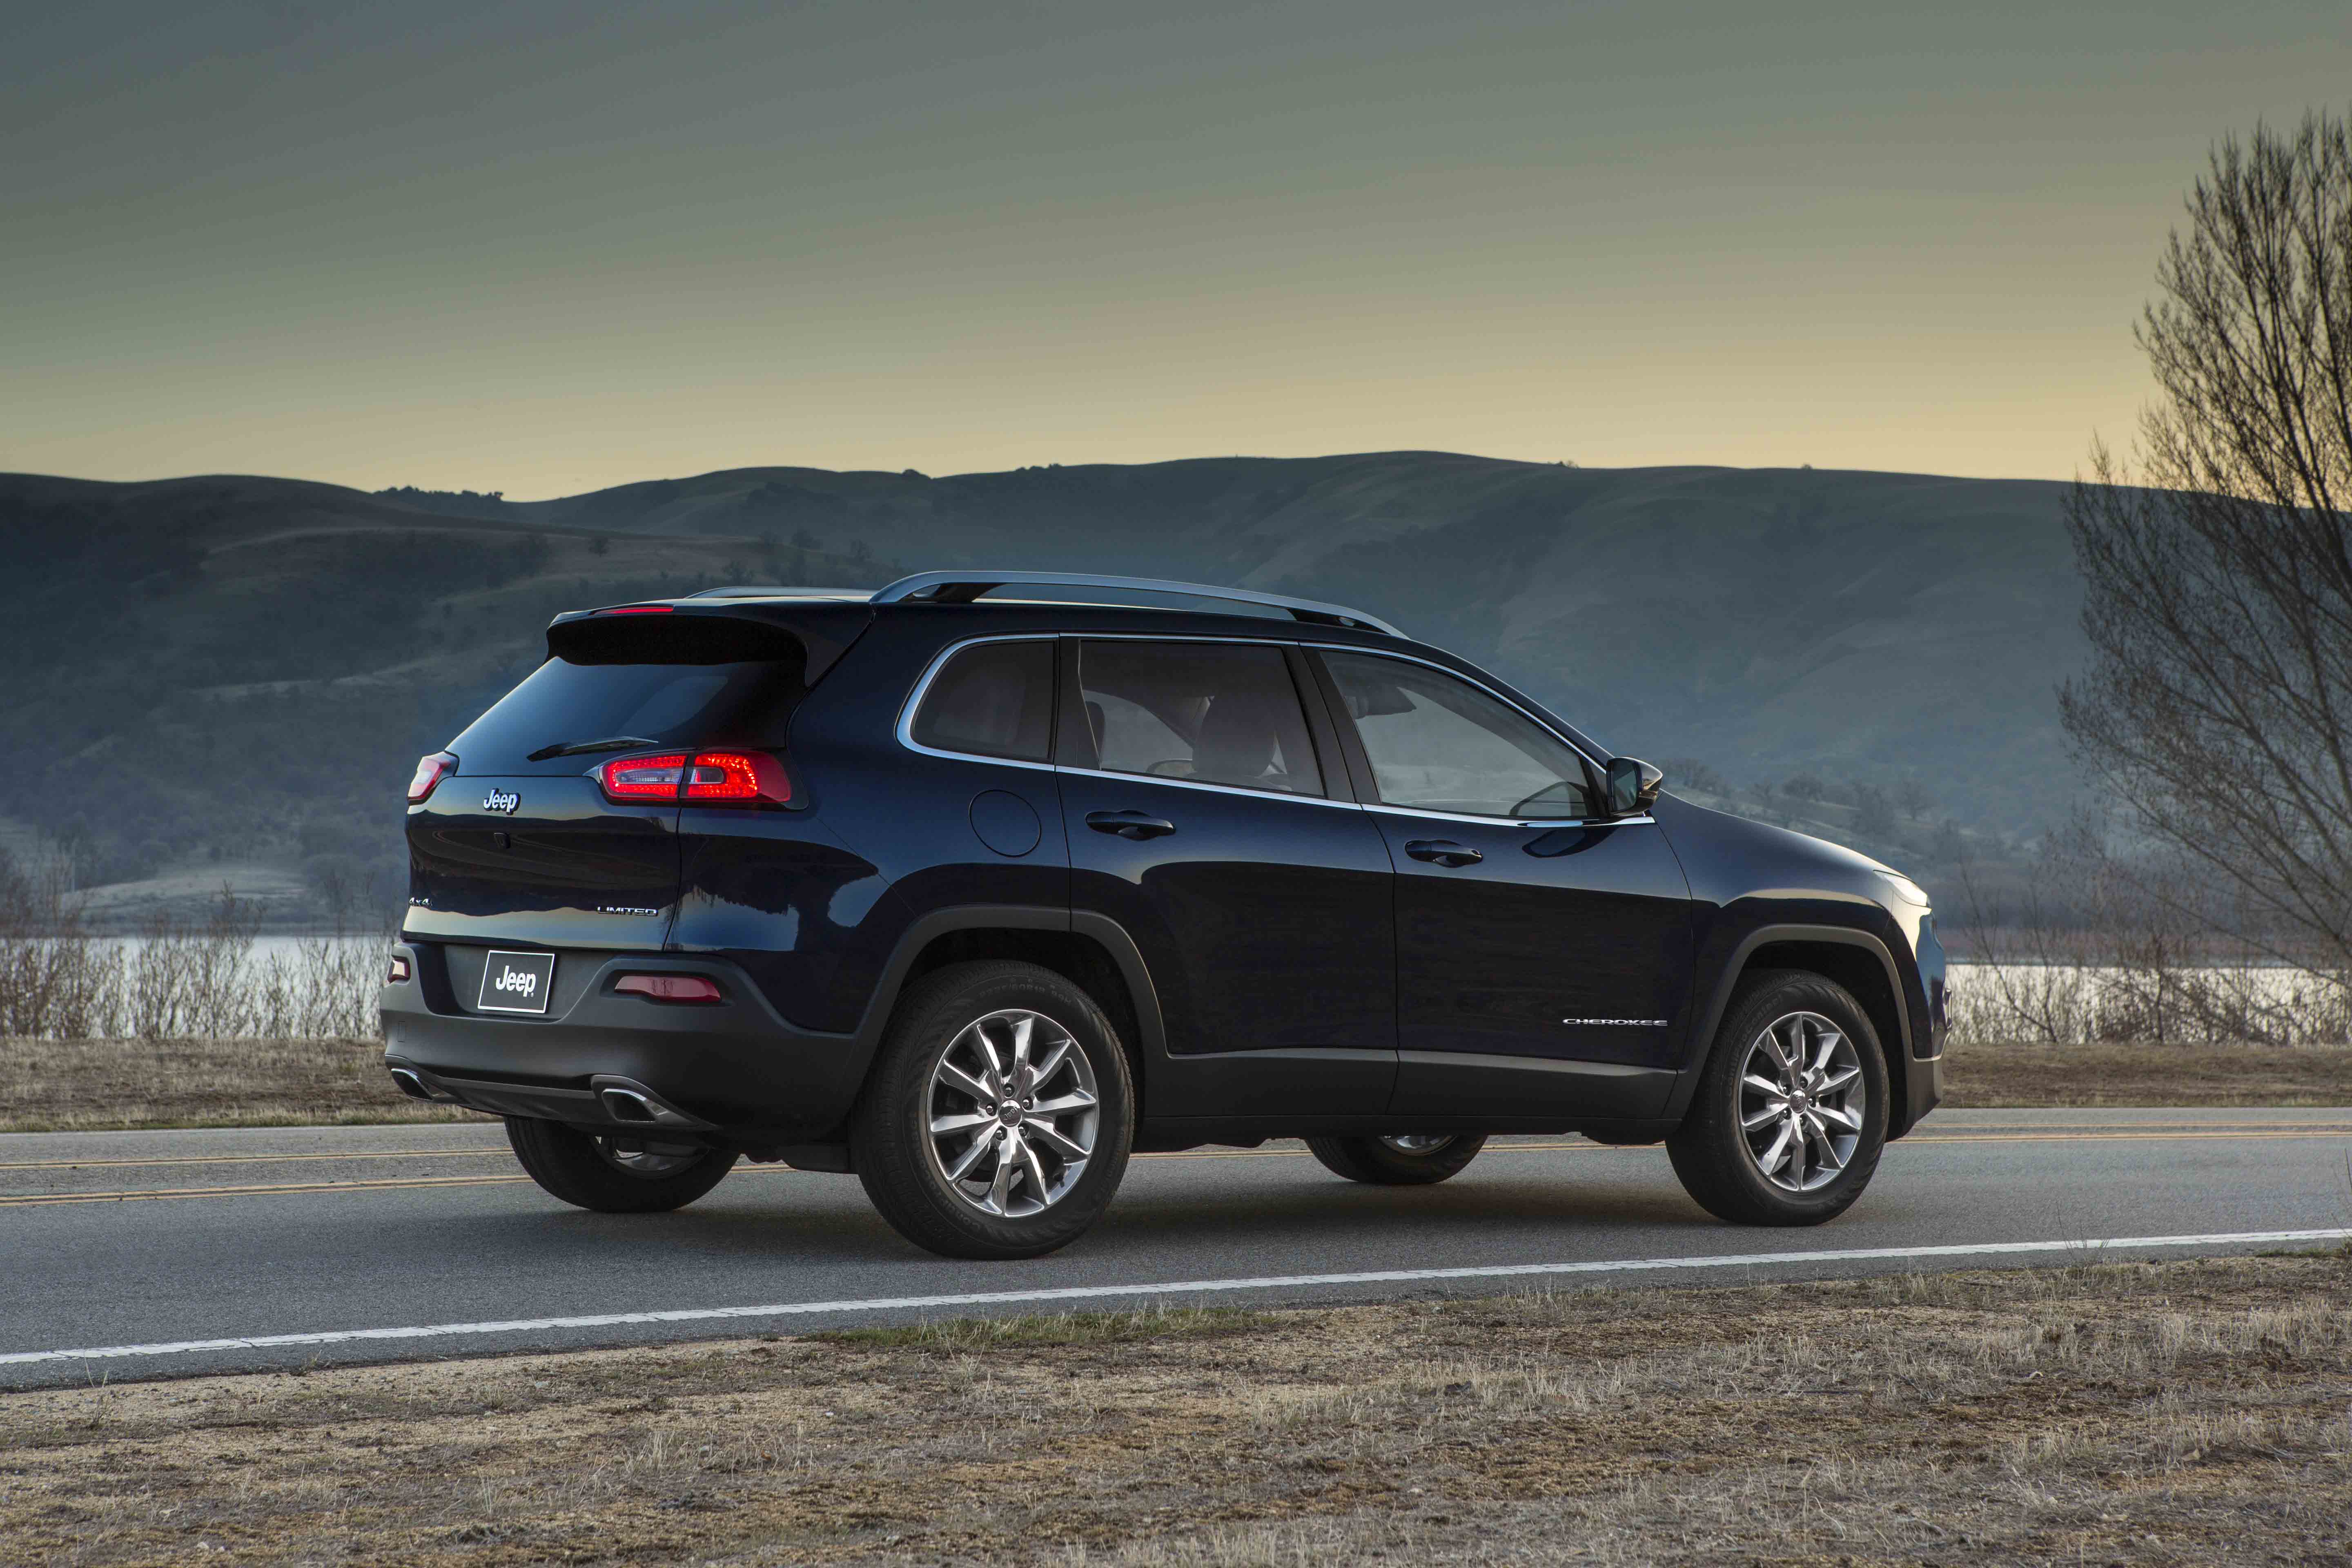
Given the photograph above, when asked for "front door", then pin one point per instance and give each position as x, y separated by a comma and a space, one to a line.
1199, 820
1543, 951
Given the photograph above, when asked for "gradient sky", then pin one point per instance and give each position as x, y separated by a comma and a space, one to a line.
550, 245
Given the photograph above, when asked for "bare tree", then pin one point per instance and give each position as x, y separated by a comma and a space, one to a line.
2218, 571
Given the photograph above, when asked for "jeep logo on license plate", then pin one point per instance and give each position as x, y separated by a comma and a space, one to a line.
516, 983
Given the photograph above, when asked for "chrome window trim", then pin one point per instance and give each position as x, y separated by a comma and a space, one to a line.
1516, 821
909, 709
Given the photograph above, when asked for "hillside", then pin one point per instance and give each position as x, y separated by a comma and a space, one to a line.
241, 669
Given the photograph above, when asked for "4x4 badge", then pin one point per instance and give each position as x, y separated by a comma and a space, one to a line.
501, 801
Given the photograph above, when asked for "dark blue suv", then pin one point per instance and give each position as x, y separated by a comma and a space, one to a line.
975, 895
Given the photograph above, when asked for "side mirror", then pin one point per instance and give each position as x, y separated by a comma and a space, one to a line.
1632, 786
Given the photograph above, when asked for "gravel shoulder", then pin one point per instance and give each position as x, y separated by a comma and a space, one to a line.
2190, 1411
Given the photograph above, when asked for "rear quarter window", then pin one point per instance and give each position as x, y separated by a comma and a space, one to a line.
991, 700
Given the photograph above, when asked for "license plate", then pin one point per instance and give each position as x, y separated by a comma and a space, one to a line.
516, 983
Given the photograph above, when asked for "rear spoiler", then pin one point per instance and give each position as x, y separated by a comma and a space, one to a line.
814, 633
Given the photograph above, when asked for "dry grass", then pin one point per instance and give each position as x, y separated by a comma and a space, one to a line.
2184, 1412
53, 1085
2113, 1073
91, 1085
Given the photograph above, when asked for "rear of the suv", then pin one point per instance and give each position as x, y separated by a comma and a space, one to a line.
974, 898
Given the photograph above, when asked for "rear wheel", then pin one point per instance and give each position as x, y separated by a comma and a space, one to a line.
997, 1120
615, 1173
1790, 1114
1400, 1159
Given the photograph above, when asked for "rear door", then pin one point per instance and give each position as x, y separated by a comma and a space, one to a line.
522, 844
1200, 819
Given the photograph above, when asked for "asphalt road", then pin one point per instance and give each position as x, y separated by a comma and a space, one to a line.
393, 1242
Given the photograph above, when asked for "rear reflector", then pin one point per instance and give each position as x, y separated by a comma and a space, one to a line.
430, 771
399, 969
738, 776
709, 778
669, 987
643, 778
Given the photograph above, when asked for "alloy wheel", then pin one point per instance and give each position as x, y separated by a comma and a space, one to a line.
1013, 1113
1801, 1101
1418, 1143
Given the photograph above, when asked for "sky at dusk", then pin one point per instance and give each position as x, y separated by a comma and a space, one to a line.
550, 244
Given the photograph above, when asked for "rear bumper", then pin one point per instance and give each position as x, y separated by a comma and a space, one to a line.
734, 1066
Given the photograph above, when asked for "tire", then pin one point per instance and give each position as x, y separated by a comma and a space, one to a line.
1005, 1182
1392, 1163
1823, 1166
615, 1174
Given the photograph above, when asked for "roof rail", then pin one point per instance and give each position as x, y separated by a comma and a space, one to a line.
963, 587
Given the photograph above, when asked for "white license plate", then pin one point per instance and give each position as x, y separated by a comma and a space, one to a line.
516, 983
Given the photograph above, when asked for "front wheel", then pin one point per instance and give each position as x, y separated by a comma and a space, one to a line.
615, 1173
1400, 1160
1790, 1114
997, 1120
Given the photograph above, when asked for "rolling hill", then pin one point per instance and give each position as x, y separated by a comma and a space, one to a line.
243, 667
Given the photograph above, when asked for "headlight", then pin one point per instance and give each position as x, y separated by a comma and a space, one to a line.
1909, 891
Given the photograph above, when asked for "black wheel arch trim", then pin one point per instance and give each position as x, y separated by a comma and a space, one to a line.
1149, 1047
1897, 1052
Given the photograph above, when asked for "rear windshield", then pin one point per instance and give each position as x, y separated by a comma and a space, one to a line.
563, 702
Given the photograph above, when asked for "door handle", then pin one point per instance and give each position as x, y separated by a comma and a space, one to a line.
1129, 823
1443, 851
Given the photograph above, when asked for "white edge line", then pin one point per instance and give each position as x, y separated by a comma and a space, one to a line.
1170, 1288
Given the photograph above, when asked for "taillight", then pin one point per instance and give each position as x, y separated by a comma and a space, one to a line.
643, 778
398, 972
638, 610
709, 778
430, 771
738, 776
669, 987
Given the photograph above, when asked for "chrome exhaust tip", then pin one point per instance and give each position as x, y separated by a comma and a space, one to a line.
628, 1105
410, 1084
631, 1104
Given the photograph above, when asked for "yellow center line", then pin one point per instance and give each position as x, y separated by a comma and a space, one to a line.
253, 1159
394, 1183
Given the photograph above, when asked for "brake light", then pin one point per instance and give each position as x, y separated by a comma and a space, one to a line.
638, 610
669, 987
643, 778
739, 776
706, 778
430, 771
398, 972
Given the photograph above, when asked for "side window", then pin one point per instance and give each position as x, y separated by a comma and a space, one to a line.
991, 700
1438, 744
1212, 712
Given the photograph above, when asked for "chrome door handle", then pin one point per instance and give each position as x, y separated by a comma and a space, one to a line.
1442, 852
1129, 823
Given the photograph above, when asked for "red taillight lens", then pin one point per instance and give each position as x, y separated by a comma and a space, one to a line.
430, 771
739, 776
713, 778
669, 987
643, 778
639, 610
